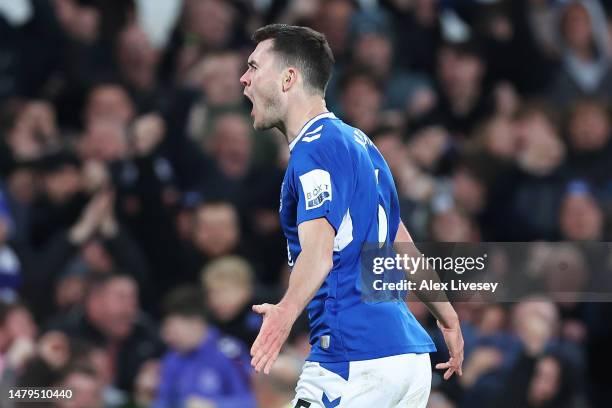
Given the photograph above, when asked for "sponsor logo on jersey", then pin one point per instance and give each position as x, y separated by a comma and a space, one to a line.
316, 185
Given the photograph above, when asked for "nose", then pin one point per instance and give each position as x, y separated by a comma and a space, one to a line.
244, 79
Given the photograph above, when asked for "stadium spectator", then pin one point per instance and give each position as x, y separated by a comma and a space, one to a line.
451, 224
373, 50
95, 244
580, 217
61, 197
429, 147
228, 285
217, 230
231, 145
585, 53
33, 131
17, 345
539, 171
589, 142
202, 366
110, 318
44, 365
418, 24
463, 99
206, 26
361, 100
85, 385
496, 137
10, 265
333, 18
469, 189
539, 375
88, 354
108, 102
137, 62
216, 233
415, 185
215, 77
146, 385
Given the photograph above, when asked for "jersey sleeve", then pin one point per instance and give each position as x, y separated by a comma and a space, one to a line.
323, 177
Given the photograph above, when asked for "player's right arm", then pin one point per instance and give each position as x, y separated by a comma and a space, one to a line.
310, 270
438, 305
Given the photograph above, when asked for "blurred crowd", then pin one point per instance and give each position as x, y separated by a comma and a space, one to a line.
139, 209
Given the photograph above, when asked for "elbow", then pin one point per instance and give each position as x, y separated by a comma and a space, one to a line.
327, 263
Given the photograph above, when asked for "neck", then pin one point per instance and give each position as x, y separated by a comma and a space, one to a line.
298, 117
203, 335
198, 340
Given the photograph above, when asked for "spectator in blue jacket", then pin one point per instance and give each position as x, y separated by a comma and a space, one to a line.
203, 367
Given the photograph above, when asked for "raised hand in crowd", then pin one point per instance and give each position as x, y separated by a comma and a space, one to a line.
147, 132
92, 216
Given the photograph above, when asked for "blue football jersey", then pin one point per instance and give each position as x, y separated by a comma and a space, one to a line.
336, 172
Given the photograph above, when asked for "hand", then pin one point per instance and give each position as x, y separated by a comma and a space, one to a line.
277, 322
53, 348
149, 130
535, 332
95, 176
507, 100
91, 217
21, 350
454, 342
109, 226
39, 118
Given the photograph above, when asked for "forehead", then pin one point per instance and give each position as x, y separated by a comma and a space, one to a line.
121, 284
215, 212
263, 52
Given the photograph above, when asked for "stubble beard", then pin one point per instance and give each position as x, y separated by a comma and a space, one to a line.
270, 114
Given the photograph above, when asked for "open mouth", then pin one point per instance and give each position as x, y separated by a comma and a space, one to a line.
251, 102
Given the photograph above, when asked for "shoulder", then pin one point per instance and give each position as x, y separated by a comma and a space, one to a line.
170, 359
230, 347
323, 133
226, 346
330, 142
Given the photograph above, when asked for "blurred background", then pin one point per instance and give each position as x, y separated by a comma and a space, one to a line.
139, 209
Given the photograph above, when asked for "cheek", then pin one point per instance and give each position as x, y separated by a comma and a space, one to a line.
268, 89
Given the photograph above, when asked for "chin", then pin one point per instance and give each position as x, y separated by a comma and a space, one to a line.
259, 126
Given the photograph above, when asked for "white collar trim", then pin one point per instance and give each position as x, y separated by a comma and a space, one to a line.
308, 125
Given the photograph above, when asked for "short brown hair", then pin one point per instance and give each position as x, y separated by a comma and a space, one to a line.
303, 47
184, 301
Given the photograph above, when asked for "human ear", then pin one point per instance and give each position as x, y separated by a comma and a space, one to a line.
289, 78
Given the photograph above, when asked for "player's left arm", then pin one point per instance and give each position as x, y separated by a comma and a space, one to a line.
438, 305
310, 270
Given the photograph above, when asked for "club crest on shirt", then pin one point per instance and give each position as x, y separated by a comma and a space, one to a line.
316, 185
209, 381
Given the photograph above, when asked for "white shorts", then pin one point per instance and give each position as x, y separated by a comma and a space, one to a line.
396, 381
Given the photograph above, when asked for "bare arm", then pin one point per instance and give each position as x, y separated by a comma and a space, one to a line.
312, 266
309, 272
438, 305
